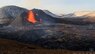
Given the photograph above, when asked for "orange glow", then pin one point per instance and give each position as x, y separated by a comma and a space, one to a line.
31, 17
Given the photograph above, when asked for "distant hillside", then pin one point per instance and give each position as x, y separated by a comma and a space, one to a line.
91, 14
51, 14
81, 14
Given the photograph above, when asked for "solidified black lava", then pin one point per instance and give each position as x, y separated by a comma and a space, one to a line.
53, 32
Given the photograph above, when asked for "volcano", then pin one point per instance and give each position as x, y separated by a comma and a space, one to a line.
50, 31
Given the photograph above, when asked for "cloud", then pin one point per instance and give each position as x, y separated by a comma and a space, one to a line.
30, 4
40, 4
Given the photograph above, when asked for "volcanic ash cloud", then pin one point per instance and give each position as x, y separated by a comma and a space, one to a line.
29, 4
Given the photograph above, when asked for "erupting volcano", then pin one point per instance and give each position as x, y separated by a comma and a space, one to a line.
46, 29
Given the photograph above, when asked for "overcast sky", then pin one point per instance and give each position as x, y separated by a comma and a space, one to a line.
58, 6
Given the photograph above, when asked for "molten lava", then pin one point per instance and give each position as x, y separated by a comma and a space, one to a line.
31, 17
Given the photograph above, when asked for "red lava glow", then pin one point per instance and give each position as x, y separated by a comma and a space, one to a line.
31, 17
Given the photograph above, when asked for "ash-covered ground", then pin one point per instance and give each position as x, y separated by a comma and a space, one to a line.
13, 47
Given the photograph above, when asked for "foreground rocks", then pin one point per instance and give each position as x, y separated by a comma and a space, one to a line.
13, 47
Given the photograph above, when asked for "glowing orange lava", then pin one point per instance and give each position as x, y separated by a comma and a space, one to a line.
31, 17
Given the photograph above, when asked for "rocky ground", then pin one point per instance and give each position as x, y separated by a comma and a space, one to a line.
13, 47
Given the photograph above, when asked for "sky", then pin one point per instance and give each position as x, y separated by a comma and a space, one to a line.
57, 6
